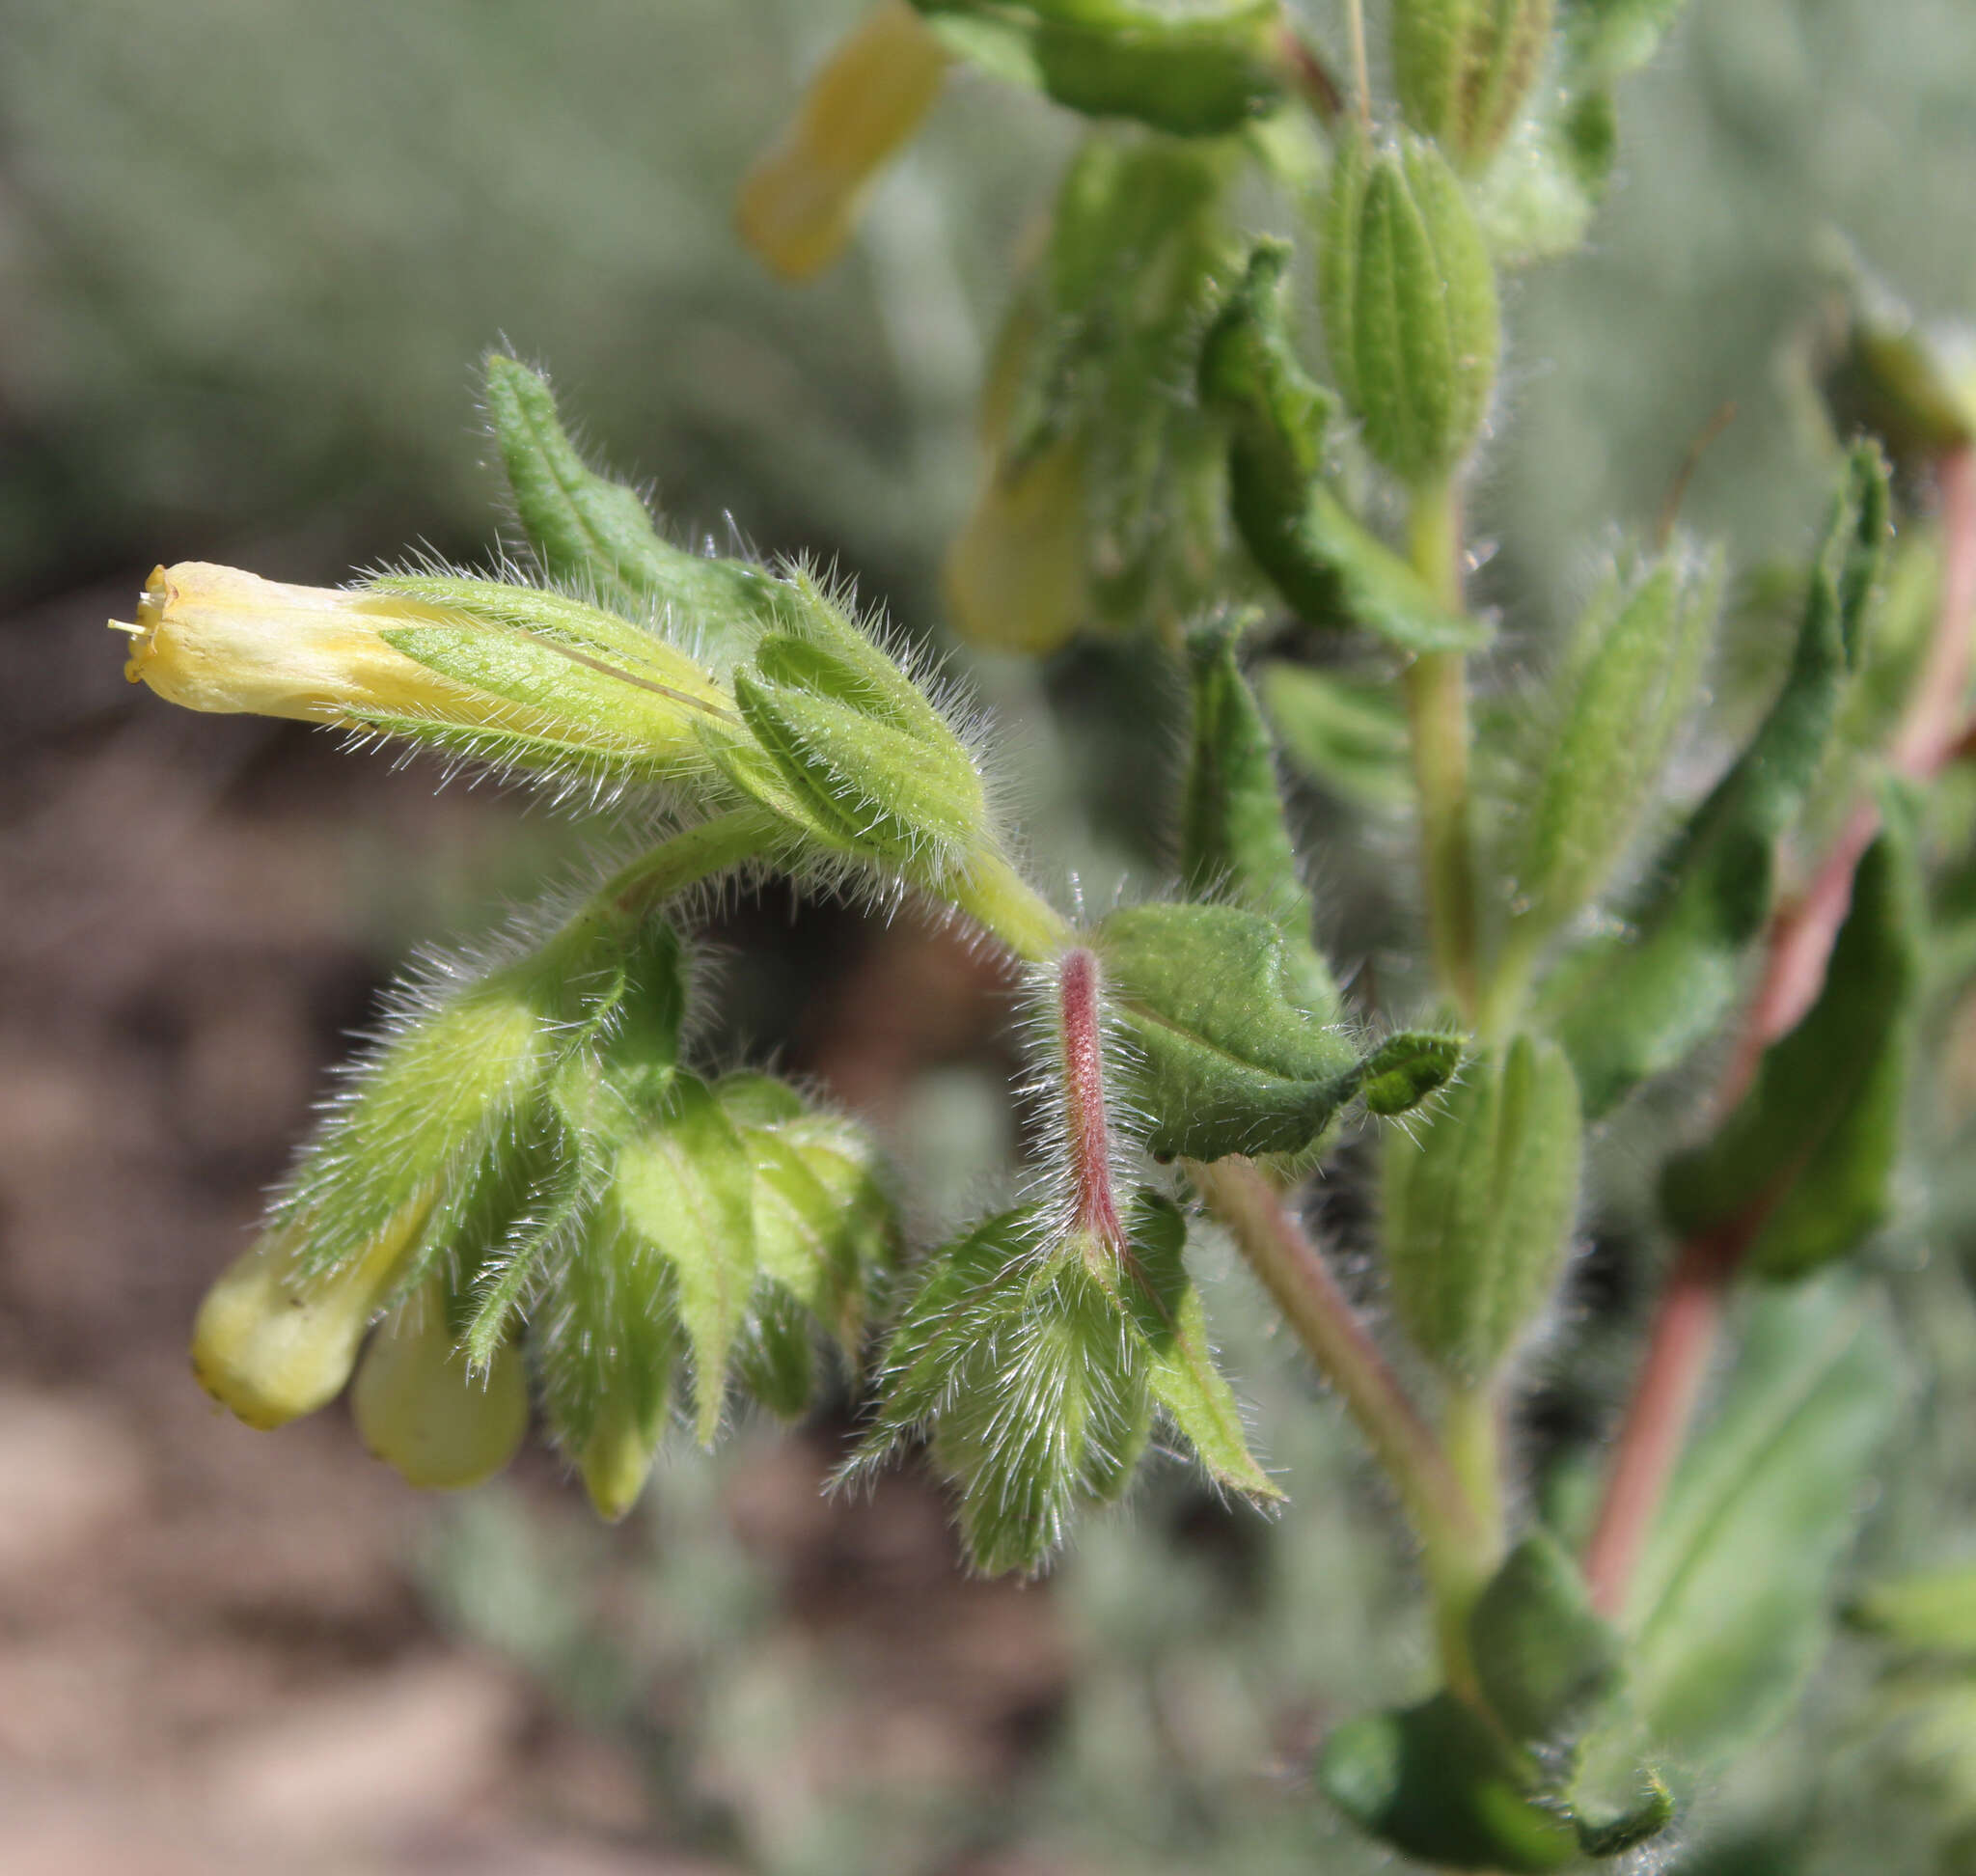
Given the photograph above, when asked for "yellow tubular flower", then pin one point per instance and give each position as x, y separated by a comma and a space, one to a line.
271, 1344
799, 203
426, 657
1015, 577
419, 1410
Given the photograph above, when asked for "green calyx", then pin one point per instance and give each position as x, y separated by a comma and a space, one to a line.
1408, 293
1464, 67
1038, 1364
1479, 1199
847, 748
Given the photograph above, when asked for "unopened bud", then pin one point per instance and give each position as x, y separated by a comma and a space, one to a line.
801, 201
868, 763
473, 665
1464, 67
273, 1344
421, 1410
1409, 307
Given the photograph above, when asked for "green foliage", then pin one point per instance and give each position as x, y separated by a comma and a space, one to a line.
1479, 1203
596, 536
1035, 1363
1197, 71
1730, 1605
1804, 1166
1463, 67
1102, 468
1409, 307
1546, 1663
1436, 1782
1329, 568
1623, 691
1630, 1008
1229, 1058
1347, 734
854, 754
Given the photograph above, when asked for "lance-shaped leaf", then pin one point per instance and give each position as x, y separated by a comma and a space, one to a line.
1634, 1007
1479, 1199
1618, 697
1729, 1607
1199, 71
596, 536
1233, 836
1804, 1166
1162, 1309
1347, 734
683, 1189
1329, 568
1438, 1783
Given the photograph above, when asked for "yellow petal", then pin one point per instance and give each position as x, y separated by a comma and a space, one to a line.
272, 1343
1015, 574
419, 1410
799, 203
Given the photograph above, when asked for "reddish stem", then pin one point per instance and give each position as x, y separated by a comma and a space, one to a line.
1087, 1126
1801, 942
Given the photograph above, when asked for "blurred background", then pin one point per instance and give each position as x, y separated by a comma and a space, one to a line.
250, 253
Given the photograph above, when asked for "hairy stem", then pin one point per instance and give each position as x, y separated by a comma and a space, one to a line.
1453, 1534
711, 847
1088, 1122
1689, 1318
1009, 908
1436, 692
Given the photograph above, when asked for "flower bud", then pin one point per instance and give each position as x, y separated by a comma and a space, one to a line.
477, 666
1464, 67
1479, 1206
868, 763
272, 1342
421, 1410
1409, 309
801, 201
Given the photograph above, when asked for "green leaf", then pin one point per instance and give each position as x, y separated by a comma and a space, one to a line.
1480, 1198
1398, 1075
1233, 838
1806, 1164
1434, 1782
1329, 568
1614, 707
1635, 1006
1931, 1611
596, 536
1728, 1609
1547, 1663
773, 1358
1199, 71
1615, 1798
1229, 1062
1347, 735
1163, 1308
683, 1189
